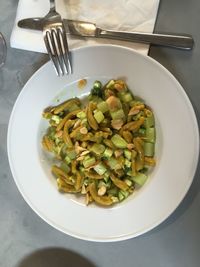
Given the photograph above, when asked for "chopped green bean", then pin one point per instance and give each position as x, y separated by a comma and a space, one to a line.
149, 149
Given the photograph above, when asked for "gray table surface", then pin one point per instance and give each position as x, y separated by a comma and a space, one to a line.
26, 240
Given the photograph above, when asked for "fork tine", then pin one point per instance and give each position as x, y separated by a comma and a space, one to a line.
60, 52
57, 50
48, 44
56, 41
64, 48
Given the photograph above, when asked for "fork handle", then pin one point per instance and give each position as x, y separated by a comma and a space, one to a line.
52, 5
176, 41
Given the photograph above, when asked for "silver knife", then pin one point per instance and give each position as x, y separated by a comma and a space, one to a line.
88, 29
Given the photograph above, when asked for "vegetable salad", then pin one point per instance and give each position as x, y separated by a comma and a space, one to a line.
104, 149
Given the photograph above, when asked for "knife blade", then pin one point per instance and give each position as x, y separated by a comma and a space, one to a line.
73, 27
89, 29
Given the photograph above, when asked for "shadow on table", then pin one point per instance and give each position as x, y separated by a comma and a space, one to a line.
51, 257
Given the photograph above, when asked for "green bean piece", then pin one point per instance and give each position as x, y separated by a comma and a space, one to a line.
149, 122
150, 135
149, 149
140, 178
98, 149
98, 115
102, 106
118, 141
100, 168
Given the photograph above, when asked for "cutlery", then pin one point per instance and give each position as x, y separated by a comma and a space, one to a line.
55, 39
88, 29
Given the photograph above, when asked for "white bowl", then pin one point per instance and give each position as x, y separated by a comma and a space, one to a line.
177, 145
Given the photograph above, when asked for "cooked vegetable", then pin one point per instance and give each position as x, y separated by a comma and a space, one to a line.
98, 115
140, 178
100, 168
92, 122
148, 149
102, 106
66, 105
118, 141
102, 200
98, 149
97, 85
96, 90
104, 148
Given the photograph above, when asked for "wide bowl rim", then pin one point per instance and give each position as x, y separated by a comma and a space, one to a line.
78, 235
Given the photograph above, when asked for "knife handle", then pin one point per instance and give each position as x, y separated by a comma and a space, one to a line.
177, 41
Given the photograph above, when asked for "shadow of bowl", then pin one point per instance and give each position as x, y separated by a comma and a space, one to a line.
51, 257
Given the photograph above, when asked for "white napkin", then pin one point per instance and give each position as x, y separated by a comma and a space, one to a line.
128, 15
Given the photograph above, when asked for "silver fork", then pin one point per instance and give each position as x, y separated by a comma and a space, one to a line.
56, 41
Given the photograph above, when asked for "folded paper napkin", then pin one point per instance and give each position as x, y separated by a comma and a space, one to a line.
127, 15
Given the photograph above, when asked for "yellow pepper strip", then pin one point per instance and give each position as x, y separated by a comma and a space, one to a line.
119, 183
148, 112
74, 132
88, 198
137, 125
87, 137
79, 180
121, 130
46, 114
101, 134
133, 125
120, 85
66, 118
47, 143
48, 111
109, 143
150, 161
119, 172
107, 130
136, 108
127, 136
73, 166
66, 136
140, 156
133, 164
67, 188
66, 104
93, 175
91, 120
58, 172
101, 200
133, 167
